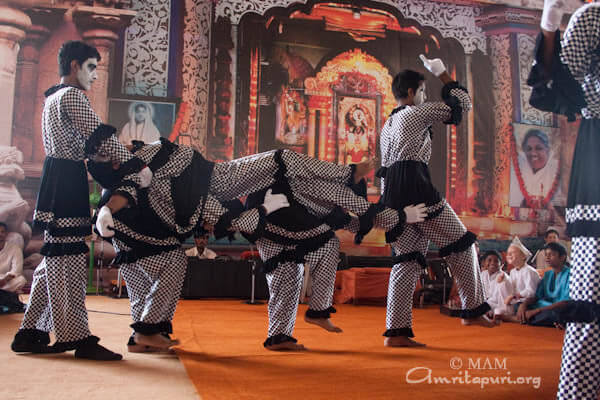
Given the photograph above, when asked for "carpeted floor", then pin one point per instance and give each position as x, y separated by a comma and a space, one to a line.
223, 355
61, 376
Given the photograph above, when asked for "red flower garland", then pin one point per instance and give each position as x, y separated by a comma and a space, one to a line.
531, 203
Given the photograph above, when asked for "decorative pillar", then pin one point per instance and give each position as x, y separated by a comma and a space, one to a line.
99, 26
312, 117
13, 26
221, 143
197, 22
501, 25
323, 134
234, 73
26, 89
471, 187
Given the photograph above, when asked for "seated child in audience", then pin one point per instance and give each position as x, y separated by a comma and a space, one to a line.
552, 291
497, 285
539, 259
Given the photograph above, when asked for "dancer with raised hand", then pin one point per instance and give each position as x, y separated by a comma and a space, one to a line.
71, 132
405, 152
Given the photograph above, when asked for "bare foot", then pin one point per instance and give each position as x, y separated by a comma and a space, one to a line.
324, 323
156, 340
481, 321
401, 341
286, 346
363, 169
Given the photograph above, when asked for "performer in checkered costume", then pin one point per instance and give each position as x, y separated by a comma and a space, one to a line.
148, 238
304, 234
171, 212
573, 66
405, 152
71, 133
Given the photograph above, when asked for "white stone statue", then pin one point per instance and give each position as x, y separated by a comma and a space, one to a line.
13, 209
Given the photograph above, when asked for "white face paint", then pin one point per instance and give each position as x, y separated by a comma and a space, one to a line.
420, 95
87, 74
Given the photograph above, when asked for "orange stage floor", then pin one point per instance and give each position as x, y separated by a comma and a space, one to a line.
223, 354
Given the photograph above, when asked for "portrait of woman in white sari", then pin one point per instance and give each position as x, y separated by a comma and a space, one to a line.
535, 173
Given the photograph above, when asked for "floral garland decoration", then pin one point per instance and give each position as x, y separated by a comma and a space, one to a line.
531, 203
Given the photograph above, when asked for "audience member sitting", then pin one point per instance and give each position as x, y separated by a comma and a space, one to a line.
200, 250
496, 289
539, 259
552, 291
523, 276
11, 264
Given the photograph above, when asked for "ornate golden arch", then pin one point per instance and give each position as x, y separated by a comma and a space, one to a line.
352, 61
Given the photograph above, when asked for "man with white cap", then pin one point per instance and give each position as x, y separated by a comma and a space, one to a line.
523, 276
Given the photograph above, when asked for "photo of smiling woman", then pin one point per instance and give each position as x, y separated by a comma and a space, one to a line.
535, 175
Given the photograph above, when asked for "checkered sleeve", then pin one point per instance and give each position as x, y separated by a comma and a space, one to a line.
580, 40
384, 143
101, 139
76, 106
457, 101
215, 214
580, 54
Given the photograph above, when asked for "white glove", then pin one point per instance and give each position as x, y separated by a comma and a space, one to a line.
415, 213
145, 177
552, 15
435, 66
274, 202
105, 223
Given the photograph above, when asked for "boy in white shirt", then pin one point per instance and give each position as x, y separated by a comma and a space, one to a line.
496, 284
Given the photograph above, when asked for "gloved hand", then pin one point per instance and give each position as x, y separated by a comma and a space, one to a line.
105, 223
145, 177
435, 66
552, 15
415, 213
274, 202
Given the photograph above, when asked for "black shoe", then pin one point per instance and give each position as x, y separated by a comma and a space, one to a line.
91, 350
32, 341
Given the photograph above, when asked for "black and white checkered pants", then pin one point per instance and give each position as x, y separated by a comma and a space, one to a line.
580, 367
444, 229
57, 299
154, 285
285, 283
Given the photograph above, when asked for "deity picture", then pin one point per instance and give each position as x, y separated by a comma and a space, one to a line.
356, 130
291, 119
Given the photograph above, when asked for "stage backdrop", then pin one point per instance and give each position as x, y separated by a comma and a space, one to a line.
236, 77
